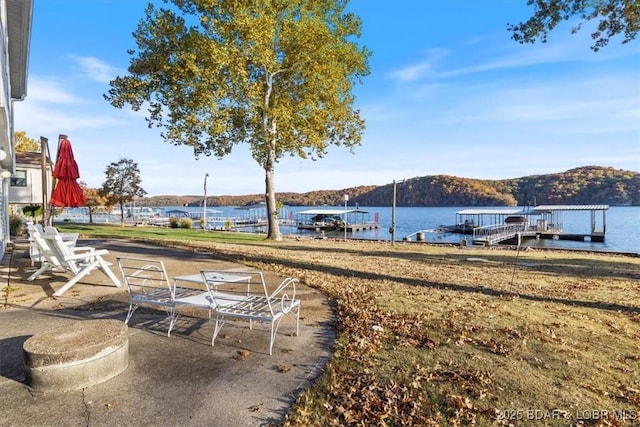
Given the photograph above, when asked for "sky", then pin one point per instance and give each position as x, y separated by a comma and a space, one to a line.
449, 93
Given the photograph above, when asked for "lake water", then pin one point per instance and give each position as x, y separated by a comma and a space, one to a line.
622, 225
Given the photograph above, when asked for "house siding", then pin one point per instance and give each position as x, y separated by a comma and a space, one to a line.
15, 34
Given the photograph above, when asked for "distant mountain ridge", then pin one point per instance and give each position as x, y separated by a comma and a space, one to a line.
583, 185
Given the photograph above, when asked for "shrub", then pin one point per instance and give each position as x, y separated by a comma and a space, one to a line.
173, 222
16, 225
186, 223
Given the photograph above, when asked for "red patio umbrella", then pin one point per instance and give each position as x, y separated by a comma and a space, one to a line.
67, 192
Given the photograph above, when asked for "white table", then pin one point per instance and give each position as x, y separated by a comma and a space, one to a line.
221, 276
203, 299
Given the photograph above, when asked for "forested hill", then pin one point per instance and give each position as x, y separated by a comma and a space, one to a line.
584, 185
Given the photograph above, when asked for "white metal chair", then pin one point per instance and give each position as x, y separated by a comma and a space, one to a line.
148, 284
77, 261
255, 303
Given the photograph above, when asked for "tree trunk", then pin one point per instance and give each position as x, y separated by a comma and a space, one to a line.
269, 134
272, 206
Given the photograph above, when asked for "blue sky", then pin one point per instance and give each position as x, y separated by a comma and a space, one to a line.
449, 93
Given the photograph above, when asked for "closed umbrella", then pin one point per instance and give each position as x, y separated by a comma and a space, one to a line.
67, 192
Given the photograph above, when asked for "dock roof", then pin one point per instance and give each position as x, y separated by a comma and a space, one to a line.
493, 211
532, 210
571, 208
329, 211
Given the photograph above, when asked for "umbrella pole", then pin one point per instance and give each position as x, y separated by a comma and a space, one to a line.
44, 149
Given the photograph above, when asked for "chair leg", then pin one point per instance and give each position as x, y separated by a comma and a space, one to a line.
105, 268
173, 316
298, 320
132, 308
216, 329
44, 267
272, 335
85, 270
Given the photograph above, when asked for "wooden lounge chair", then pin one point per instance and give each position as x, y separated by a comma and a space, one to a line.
70, 239
253, 303
77, 261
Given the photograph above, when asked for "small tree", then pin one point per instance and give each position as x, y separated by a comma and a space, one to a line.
93, 199
122, 184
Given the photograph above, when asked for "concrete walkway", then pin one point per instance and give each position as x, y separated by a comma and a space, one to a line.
177, 380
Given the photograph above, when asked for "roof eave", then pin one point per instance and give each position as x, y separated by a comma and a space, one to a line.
19, 22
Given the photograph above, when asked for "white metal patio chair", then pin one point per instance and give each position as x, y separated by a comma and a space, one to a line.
253, 302
77, 261
148, 284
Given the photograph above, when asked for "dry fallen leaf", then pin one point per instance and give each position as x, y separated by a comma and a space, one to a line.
242, 354
283, 368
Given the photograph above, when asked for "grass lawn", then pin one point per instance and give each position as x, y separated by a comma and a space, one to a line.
444, 335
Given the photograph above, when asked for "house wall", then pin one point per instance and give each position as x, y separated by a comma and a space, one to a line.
32, 192
15, 37
5, 128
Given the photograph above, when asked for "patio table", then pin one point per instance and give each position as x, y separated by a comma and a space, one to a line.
185, 296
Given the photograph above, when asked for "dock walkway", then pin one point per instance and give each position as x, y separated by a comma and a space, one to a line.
493, 234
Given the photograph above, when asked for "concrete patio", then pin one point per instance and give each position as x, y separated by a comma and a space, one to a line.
177, 380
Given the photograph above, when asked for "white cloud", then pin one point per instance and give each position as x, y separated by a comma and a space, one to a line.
421, 68
95, 69
50, 90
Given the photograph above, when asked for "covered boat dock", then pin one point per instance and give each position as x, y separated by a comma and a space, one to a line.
334, 219
496, 225
550, 224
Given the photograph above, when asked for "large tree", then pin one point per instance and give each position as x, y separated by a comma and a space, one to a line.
615, 17
275, 74
122, 184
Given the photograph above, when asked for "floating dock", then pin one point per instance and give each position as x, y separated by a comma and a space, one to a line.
493, 226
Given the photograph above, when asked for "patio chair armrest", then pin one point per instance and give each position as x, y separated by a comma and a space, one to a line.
81, 248
287, 286
87, 254
286, 294
67, 237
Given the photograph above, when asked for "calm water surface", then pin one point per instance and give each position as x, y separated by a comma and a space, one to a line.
622, 225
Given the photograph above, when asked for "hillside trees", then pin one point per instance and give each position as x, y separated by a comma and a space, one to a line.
616, 17
274, 74
583, 185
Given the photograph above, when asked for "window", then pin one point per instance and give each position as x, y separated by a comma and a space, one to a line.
19, 179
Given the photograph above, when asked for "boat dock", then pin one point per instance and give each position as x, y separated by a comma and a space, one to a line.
321, 220
493, 226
